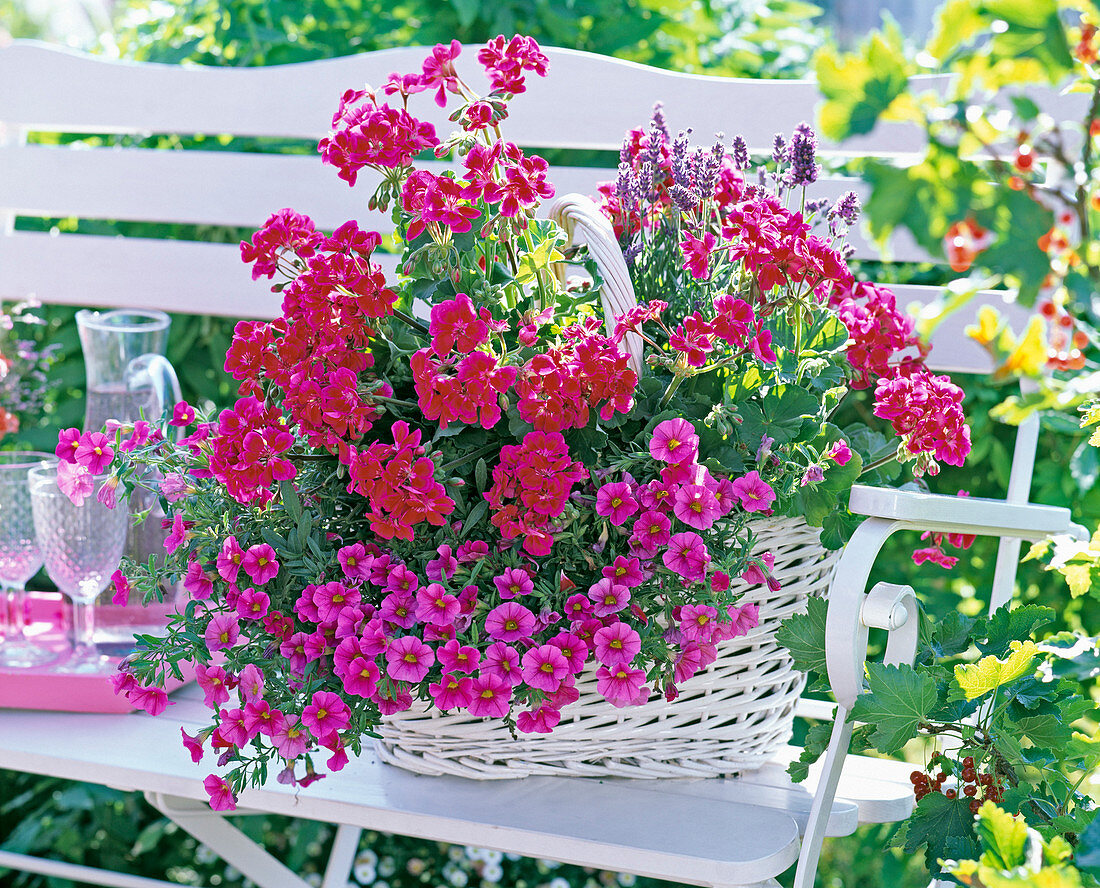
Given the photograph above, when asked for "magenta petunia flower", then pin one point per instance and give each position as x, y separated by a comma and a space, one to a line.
213, 682
197, 582
360, 677
515, 581
408, 659
502, 660
325, 715
355, 562
452, 691
573, 648
492, 696
696, 506
94, 452
624, 572
122, 588
617, 644
697, 622
608, 597
509, 622
544, 667
434, 605
290, 740
616, 502
222, 632
674, 441
260, 564
456, 657
220, 792
229, 560
193, 745
620, 685
687, 556
755, 494
541, 721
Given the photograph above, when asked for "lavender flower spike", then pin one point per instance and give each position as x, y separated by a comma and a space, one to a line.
802, 156
741, 158
779, 148
848, 208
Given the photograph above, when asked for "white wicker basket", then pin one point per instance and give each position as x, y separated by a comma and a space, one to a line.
731, 717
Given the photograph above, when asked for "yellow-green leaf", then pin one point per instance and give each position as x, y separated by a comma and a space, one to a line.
1079, 578
990, 673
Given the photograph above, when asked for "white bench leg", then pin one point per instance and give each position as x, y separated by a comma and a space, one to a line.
342, 856
225, 840
75, 872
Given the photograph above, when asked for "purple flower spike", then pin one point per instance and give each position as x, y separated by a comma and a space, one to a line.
801, 154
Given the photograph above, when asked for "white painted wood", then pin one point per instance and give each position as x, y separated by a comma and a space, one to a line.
58, 869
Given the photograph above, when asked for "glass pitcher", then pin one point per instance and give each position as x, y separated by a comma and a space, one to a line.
128, 378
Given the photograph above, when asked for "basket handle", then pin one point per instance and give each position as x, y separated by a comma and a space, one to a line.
575, 212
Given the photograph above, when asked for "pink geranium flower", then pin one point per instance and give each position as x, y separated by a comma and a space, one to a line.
544, 667
222, 632
509, 622
492, 696
755, 494
408, 659
616, 502
674, 441
221, 794
617, 644
260, 564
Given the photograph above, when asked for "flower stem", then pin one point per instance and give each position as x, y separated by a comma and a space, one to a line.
878, 462
410, 320
481, 451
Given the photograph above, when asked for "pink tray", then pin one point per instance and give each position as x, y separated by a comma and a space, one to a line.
42, 687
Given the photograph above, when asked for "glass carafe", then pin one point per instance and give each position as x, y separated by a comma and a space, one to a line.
128, 378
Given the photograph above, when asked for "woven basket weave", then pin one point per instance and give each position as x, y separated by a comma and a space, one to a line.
731, 717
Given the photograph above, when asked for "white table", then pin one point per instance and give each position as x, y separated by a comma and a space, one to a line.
720, 832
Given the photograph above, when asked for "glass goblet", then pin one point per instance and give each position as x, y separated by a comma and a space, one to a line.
81, 547
20, 557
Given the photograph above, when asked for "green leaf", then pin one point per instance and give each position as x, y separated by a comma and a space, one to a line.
1006, 626
940, 824
1087, 856
974, 680
804, 636
815, 744
951, 635
1044, 730
291, 502
898, 699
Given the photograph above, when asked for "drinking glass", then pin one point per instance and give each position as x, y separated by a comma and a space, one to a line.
81, 548
20, 557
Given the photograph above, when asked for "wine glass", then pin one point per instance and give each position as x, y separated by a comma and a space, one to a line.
81, 548
20, 557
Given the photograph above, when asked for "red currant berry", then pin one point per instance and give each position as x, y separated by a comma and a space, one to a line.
986, 780
974, 806
951, 793
969, 775
916, 777
941, 776
968, 762
970, 790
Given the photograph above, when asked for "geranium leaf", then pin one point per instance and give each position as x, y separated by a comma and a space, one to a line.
898, 700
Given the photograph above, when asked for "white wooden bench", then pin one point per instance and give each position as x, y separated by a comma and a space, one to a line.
725, 832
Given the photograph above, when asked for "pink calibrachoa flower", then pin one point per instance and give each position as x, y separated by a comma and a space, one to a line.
183, 414
408, 659
608, 597
68, 440
355, 562
399, 608
260, 564
650, 532
222, 632
515, 581
122, 588
620, 685
697, 622
290, 740
624, 572
230, 559
573, 648
325, 715
755, 494
452, 691
456, 657
214, 684
542, 721
193, 745
616, 502
434, 605
94, 452
360, 677
509, 622
197, 582
261, 718
253, 604
617, 644
233, 728
502, 660
544, 667
250, 683
755, 574
221, 793
108, 491
839, 452
75, 481
742, 620
687, 556
331, 598
492, 696
696, 506
674, 441
178, 534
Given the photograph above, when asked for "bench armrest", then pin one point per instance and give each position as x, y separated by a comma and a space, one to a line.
961, 514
